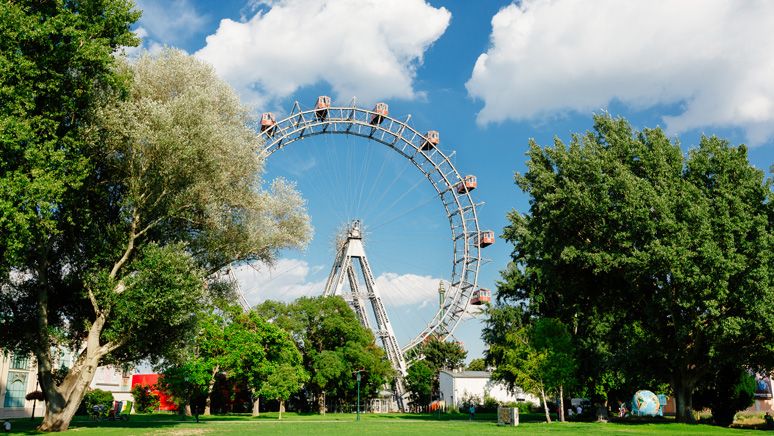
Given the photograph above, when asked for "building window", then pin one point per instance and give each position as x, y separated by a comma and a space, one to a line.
16, 389
20, 361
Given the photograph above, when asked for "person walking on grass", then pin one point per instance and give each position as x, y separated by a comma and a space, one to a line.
472, 410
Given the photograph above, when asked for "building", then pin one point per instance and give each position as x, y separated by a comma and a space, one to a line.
114, 380
457, 387
151, 381
18, 377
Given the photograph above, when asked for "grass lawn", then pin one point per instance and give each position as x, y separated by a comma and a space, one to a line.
370, 424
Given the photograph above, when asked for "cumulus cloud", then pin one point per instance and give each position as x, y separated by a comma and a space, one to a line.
408, 289
365, 48
289, 279
286, 280
710, 58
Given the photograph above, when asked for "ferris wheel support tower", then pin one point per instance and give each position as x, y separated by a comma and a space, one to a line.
351, 252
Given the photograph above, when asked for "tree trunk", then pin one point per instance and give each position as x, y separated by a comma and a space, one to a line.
321, 403
187, 411
282, 407
545, 404
561, 403
684, 401
63, 400
208, 401
256, 406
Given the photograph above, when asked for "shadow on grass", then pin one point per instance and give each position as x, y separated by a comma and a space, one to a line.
27, 426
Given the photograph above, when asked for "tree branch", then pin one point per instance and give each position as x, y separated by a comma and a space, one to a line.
129, 246
93, 300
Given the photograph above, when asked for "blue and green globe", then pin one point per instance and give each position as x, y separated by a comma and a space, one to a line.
645, 403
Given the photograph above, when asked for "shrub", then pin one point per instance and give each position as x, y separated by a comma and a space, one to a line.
97, 397
490, 404
145, 400
730, 390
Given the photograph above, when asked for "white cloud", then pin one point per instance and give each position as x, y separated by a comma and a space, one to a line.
364, 48
408, 290
711, 57
289, 279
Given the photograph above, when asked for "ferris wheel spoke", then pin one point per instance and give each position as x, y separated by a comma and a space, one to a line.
424, 153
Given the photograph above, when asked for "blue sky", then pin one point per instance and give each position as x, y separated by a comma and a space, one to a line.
489, 75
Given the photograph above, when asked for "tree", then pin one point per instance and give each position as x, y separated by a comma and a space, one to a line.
647, 254
519, 364
56, 66
284, 380
334, 345
419, 382
551, 337
188, 383
727, 391
478, 364
536, 357
441, 354
189, 373
265, 356
145, 399
168, 192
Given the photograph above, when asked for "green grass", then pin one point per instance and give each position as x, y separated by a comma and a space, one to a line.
370, 424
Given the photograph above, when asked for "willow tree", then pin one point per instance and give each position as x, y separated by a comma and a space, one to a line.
660, 261
171, 194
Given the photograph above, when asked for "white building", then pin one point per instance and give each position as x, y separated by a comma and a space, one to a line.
458, 386
19, 377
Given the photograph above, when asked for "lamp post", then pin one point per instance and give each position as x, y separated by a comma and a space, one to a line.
358, 395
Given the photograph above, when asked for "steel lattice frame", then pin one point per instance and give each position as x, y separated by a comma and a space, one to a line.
436, 167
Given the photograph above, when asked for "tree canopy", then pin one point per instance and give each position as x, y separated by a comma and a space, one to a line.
647, 254
334, 345
148, 182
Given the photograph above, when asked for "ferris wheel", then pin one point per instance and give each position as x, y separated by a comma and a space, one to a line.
422, 150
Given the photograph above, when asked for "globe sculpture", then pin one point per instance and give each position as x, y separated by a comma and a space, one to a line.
645, 403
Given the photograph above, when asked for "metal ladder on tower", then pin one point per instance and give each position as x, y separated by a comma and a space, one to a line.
351, 250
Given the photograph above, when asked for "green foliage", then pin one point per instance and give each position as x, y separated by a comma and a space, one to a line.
122, 187
333, 344
145, 400
490, 404
419, 380
621, 219
536, 357
56, 62
523, 406
264, 355
100, 398
727, 391
442, 354
478, 364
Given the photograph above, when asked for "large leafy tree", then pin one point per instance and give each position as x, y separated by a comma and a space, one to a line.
660, 262
188, 373
439, 355
420, 378
169, 192
265, 357
537, 356
334, 345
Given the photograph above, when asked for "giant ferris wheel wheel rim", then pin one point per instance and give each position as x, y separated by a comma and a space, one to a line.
436, 167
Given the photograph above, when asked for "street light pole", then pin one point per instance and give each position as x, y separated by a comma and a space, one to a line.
358, 395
